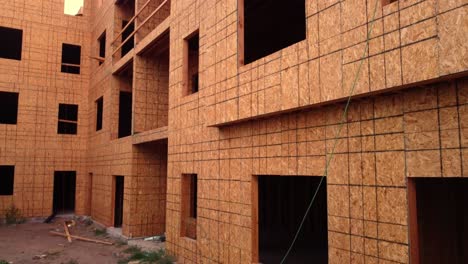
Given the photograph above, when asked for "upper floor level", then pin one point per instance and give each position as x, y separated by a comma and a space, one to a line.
241, 59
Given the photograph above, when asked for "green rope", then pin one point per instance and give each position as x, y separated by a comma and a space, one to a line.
342, 122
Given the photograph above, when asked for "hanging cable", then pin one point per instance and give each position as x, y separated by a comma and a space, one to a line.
342, 122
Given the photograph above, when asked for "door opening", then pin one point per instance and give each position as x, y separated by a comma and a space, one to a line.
118, 202
438, 220
64, 192
282, 202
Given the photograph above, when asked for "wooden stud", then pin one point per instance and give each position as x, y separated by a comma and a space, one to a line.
82, 238
67, 232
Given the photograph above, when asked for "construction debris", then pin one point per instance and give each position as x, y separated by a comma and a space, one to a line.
40, 256
82, 238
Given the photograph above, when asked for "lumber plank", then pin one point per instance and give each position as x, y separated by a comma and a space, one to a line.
67, 232
83, 238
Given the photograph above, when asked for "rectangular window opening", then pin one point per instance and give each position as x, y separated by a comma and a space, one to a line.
192, 47
99, 113
9, 111
125, 114
438, 220
7, 177
11, 44
102, 46
189, 206
71, 58
282, 202
73, 7
270, 26
67, 119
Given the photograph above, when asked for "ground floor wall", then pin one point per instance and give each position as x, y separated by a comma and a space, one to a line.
33, 181
144, 171
385, 141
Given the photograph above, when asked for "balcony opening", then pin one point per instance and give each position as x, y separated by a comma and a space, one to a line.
282, 202
67, 119
151, 89
269, 26
124, 39
9, 112
438, 220
152, 159
11, 44
151, 16
130, 43
71, 58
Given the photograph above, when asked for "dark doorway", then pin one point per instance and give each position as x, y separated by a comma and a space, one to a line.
442, 220
64, 192
282, 202
118, 202
125, 114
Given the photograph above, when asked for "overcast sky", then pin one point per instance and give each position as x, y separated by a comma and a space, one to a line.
72, 6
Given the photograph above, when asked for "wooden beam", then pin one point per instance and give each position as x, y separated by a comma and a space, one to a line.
101, 59
67, 121
69, 64
67, 232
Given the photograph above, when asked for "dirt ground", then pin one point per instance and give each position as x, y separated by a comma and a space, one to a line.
32, 243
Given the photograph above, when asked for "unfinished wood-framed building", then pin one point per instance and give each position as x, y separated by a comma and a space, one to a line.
212, 121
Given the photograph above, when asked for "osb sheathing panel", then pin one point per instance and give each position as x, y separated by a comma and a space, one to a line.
386, 139
418, 132
33, 145
406, 35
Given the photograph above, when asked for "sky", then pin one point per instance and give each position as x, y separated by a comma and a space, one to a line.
72, 6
